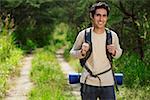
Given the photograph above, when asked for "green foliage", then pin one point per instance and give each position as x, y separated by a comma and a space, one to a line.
36, 25
30, 45
70, 38
137, 93
136, 72
134, 24
33, 22
10, 55
50, 83
59, 35
146, 59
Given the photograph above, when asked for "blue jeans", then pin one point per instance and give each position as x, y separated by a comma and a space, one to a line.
89, 92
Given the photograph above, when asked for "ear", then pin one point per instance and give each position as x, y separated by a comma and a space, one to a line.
91, 16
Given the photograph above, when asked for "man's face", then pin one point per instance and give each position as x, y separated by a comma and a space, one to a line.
100, 18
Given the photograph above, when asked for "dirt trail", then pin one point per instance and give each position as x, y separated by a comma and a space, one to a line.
23, 83
67, 69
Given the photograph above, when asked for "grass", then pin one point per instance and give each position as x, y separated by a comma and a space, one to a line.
136, 93
49, 81
9, 68
75, 64
10, 55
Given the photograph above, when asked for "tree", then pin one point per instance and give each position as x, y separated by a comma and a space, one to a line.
136, 21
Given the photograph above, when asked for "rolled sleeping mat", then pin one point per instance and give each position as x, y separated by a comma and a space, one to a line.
119, 78
74, 78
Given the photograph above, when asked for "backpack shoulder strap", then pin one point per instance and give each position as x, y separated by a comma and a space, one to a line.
108, 36
108, 42
87, 38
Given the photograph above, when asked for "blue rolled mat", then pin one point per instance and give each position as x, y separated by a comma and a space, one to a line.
74, 78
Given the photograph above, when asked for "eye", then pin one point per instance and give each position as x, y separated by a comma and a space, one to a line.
98, 14
104, 15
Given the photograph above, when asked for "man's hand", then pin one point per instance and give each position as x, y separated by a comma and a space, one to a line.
111, 49
85, 47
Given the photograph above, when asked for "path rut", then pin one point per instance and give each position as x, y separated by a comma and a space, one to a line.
66, 70
23, 83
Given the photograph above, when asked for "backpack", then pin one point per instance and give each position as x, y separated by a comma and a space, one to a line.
87, 38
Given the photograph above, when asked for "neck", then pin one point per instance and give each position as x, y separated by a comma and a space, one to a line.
99, 30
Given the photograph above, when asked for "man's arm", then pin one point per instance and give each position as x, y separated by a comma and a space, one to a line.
76, 49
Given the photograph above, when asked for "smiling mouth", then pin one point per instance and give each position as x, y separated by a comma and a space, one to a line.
100, 23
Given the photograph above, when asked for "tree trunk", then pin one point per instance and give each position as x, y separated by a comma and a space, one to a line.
140, 47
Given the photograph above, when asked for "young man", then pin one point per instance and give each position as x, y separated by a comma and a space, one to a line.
98, 86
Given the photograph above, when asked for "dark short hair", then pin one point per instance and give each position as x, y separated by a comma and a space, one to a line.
98, 5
